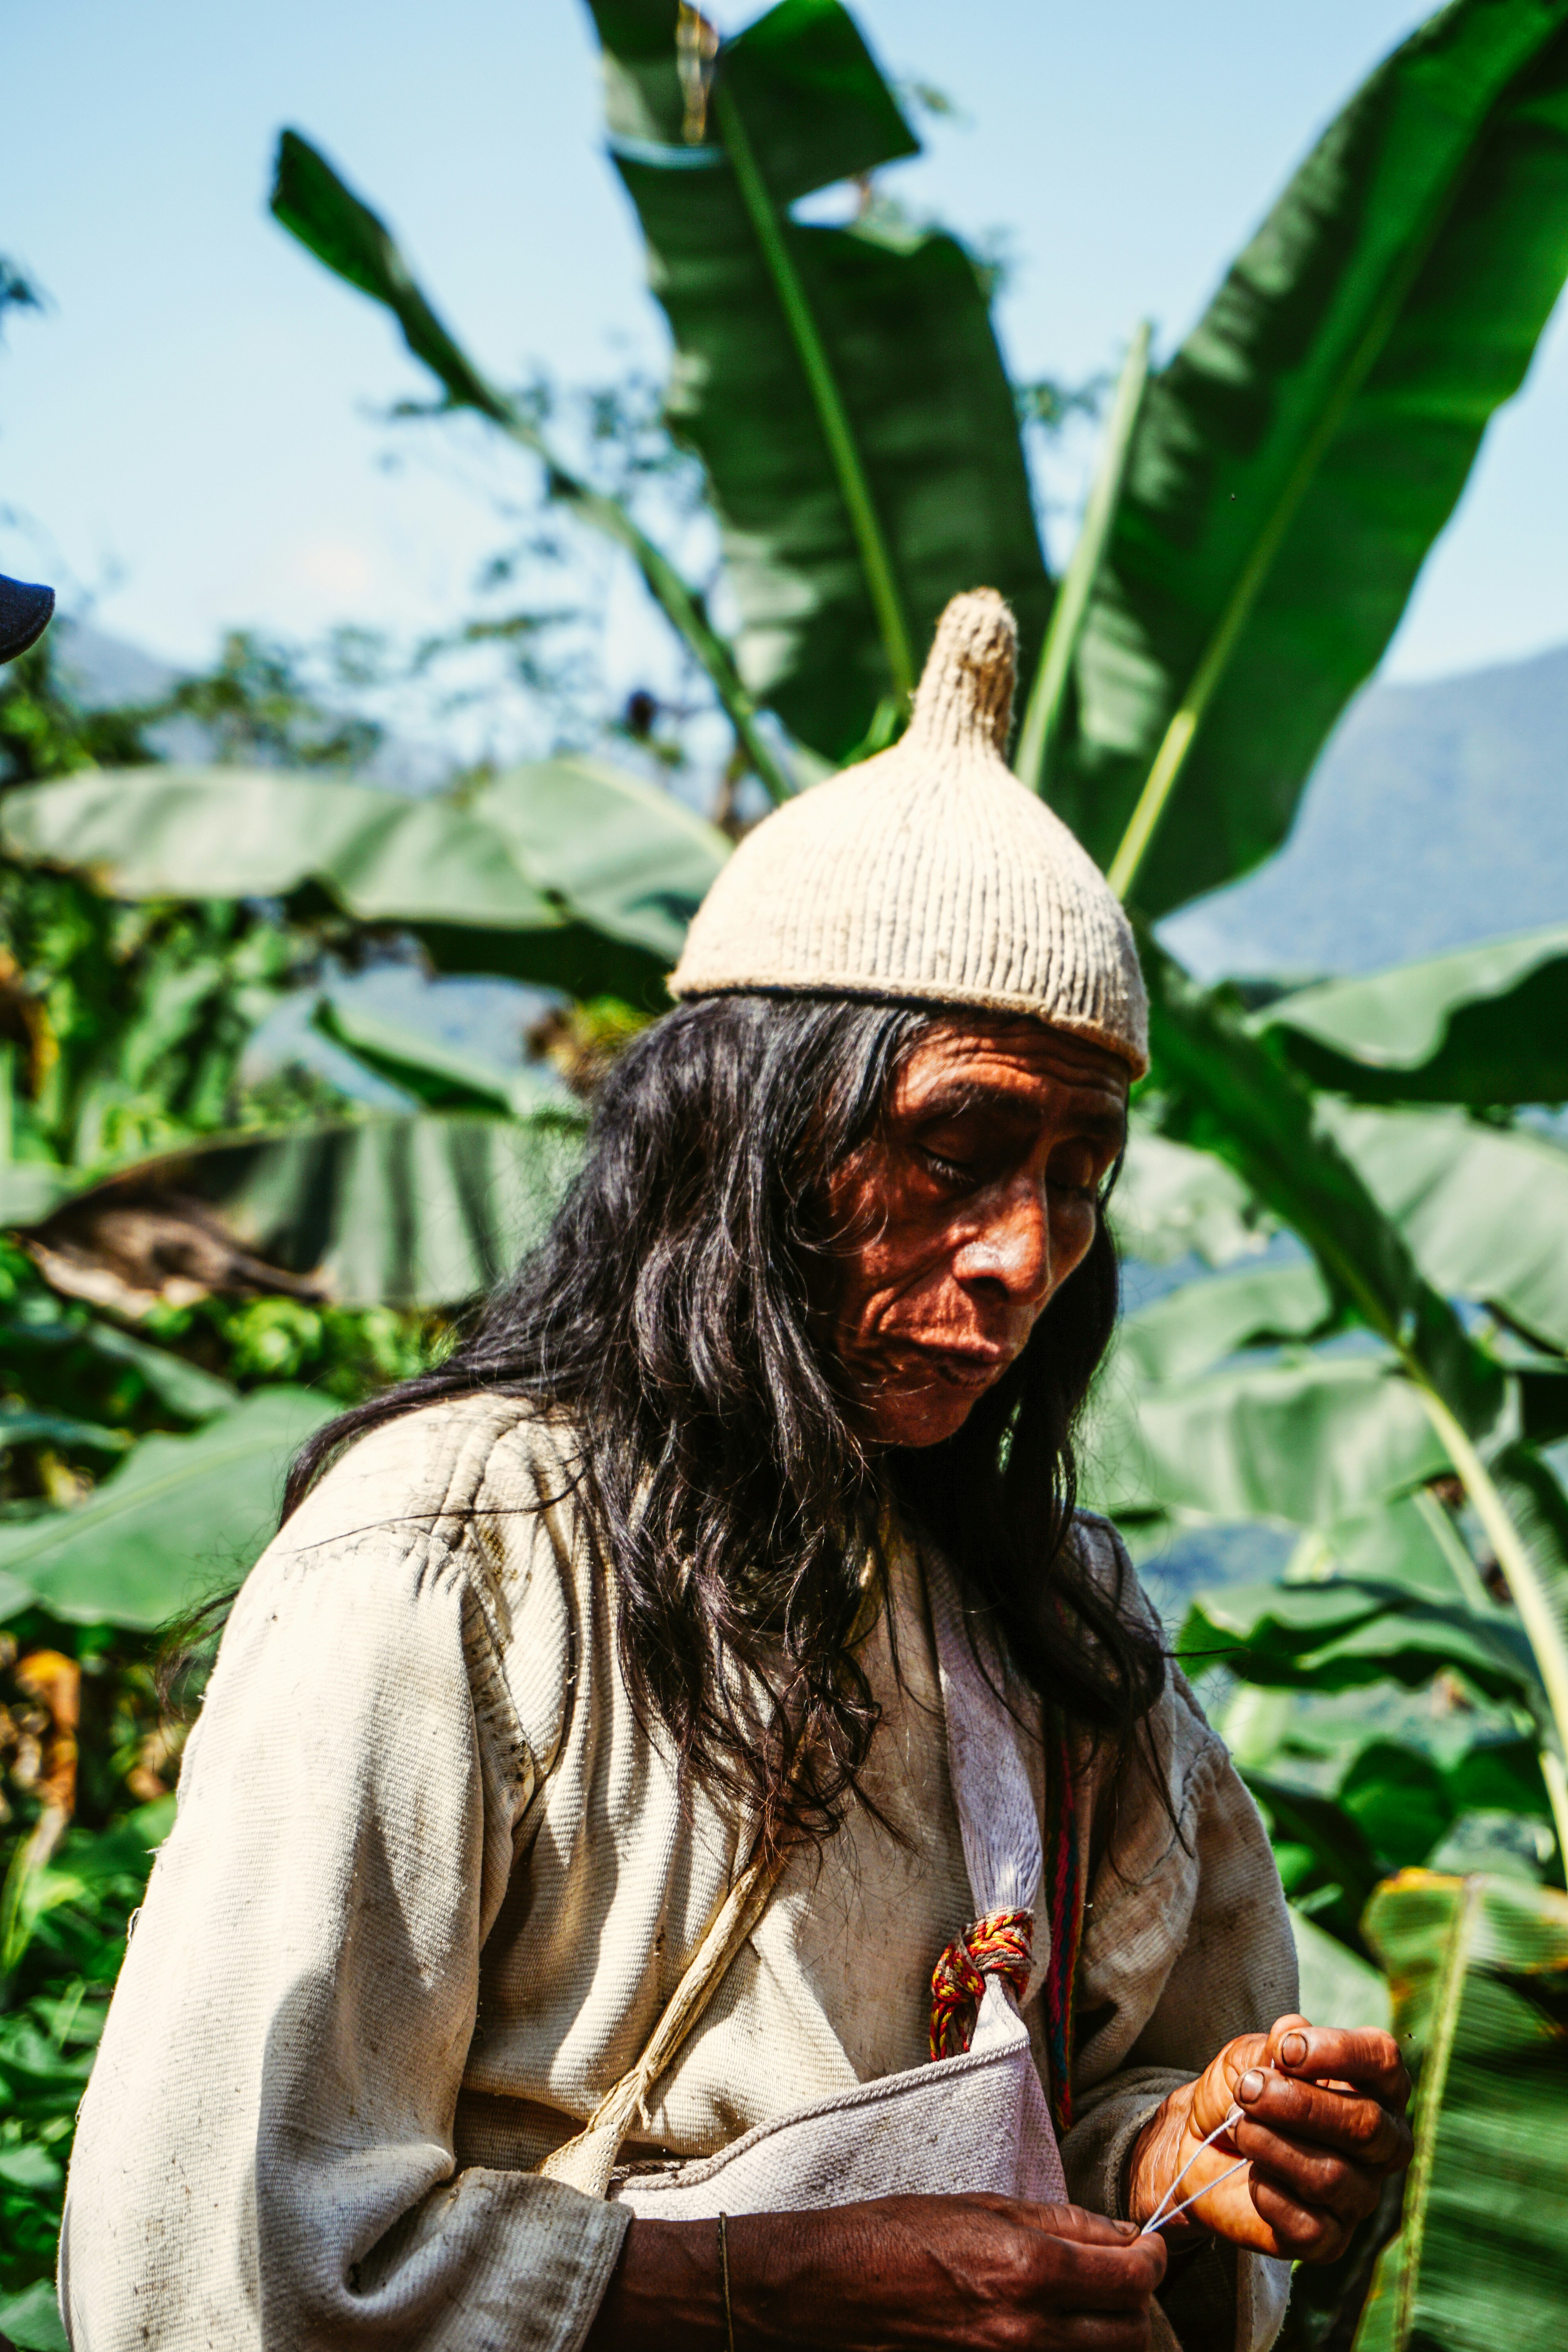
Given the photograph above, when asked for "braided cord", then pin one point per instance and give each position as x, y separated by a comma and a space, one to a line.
996, 1946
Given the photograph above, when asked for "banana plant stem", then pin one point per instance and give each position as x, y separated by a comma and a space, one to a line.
1524, 1582
832, 416
1043, 711
1428, 2105
670, 591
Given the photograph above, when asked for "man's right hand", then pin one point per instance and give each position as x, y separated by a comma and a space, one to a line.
892, 2275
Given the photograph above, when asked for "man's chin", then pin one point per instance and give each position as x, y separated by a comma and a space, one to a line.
930, 1403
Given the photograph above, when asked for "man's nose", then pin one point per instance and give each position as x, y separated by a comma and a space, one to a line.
1013, 1248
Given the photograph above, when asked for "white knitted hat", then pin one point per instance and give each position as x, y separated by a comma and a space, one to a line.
930, 872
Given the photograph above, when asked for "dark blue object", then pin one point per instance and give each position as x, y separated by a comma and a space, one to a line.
26, 612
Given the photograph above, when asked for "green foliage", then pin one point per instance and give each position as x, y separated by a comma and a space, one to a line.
1481, 1207
1483, 1025
45, 730
1479, 1971
176, 1523
842, 385
312, 201
253, 710
1386, 1385
561, 871
1314, 431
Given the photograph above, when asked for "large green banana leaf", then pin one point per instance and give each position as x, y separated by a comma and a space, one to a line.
1484, 1209
1231, 1096
1345, 1635
492, 886
181, 1387
1306, 1442
1335, 1982
1170, 1202
429, 1210
441, 1075
1205, 1321
1479, 1969
842, 385
178, 1521
1295, 461
1483, 1025
1410, 1540
624, 856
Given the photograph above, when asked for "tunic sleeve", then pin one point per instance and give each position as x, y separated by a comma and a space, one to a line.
265, 2156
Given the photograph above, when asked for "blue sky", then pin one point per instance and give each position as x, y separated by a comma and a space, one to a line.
191, 428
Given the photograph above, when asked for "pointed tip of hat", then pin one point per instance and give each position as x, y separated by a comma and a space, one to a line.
964, 699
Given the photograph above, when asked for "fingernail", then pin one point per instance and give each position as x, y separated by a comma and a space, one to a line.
1234, 2118
1293, 2050
1250, 2086
1127, 2229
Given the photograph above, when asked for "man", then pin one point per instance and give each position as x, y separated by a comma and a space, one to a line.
684, 1791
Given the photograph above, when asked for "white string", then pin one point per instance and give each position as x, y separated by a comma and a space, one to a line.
1158, 2219
1177, 2211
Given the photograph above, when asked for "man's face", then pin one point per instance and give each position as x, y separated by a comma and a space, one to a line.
966, 1213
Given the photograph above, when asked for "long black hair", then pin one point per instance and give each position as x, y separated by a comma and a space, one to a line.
676, 1312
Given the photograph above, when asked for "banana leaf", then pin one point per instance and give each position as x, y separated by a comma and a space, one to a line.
842, 385
1344, 1635
1411, 1541
631, 860
1483, 1025
1203, 1322
1325, 1864
1400, 1800
1484, 1209
181, 1387
178, 1521
1478, 1969
458, 878
425, 1211
441, 1075
1336, 1986
315, 205
1231, 1096
1304, 1441
31, 2319
1295, 460
1171, 1202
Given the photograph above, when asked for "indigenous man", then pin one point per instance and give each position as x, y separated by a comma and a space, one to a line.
691, 1841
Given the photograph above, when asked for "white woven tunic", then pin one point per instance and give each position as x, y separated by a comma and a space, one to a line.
431, 1885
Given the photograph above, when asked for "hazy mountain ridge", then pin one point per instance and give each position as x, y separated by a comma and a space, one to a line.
1438, 815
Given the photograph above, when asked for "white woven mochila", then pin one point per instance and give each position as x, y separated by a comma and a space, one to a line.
977, 2121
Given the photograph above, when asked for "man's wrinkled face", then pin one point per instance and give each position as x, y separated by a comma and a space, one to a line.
966, 1212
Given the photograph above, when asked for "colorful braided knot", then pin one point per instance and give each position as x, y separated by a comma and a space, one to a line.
996, 1946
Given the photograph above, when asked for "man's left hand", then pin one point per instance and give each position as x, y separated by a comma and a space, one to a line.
1322, 2128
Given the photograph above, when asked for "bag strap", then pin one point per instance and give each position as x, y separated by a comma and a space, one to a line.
586, 2161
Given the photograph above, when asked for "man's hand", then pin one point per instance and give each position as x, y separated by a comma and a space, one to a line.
1324, 2126
899, 2274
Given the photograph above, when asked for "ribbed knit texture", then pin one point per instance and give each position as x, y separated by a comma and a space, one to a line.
930, 872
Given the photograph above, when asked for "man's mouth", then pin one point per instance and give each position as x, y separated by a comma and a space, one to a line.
965, 1368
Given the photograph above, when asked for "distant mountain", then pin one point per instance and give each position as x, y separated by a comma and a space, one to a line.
1438, 815
106, 670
